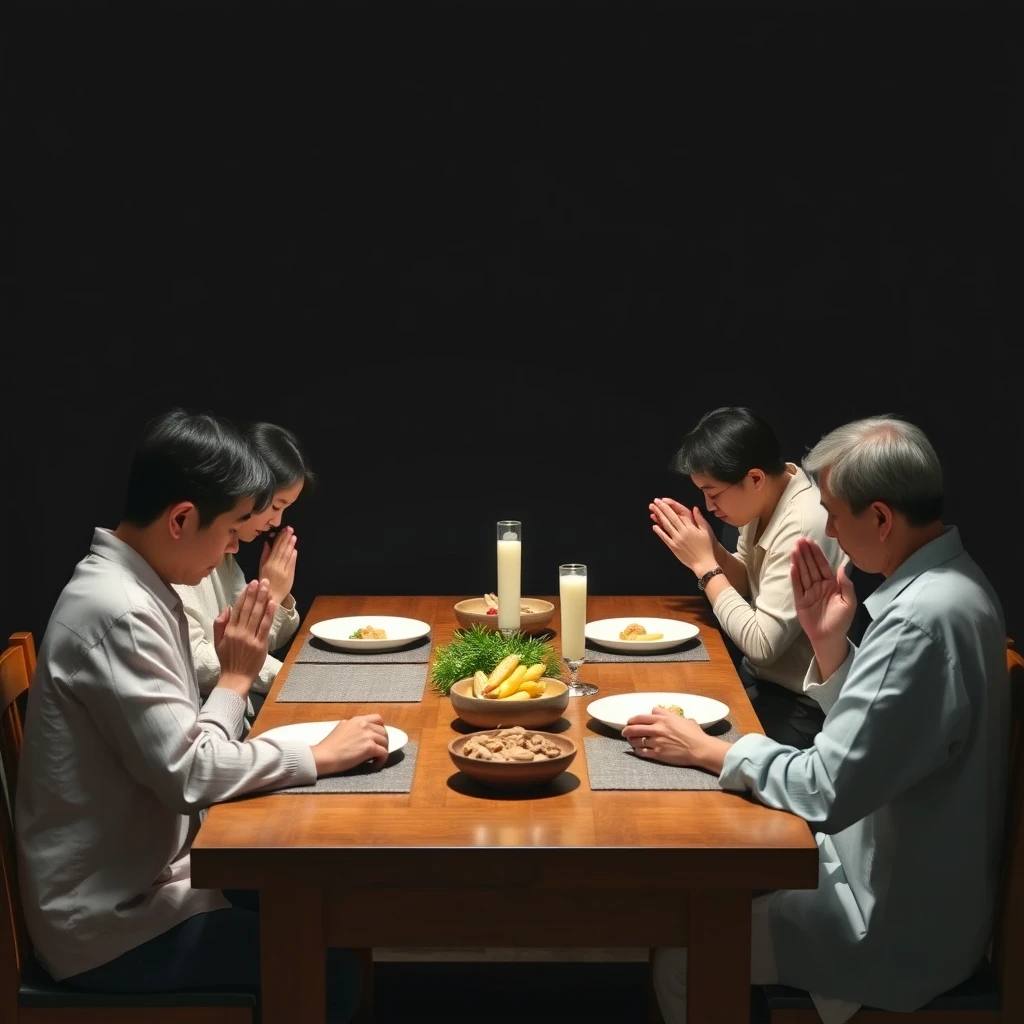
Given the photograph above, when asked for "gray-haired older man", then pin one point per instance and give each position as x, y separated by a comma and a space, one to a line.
905, 784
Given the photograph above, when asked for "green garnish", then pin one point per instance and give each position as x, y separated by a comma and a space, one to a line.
478, 649
357, 635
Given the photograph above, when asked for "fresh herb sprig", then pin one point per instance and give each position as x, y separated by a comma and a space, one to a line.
477, 649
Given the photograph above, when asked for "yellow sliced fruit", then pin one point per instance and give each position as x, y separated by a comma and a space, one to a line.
534, 687
518, 695
502, 671
534, 672
511, 684
479, 683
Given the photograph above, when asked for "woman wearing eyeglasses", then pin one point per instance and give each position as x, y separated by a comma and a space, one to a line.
733, 456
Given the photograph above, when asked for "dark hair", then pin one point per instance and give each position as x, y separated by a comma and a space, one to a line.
195, 457
280, 450
727, 443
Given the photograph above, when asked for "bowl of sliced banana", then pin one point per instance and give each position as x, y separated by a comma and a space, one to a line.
512, 694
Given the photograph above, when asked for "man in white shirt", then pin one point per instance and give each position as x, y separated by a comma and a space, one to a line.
121, 757
905, 784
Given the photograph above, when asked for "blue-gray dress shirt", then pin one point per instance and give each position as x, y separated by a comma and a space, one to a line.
905, 785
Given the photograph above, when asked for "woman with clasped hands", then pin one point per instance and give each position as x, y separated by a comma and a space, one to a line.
733, 456
279, 449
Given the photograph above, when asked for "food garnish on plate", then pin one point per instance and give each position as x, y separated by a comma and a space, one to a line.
674, 708
637, 631
369, 633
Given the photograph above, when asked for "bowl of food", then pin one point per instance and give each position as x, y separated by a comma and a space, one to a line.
540, 703
512, 758
534, 613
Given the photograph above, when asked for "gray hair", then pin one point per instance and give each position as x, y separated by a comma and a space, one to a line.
881, 458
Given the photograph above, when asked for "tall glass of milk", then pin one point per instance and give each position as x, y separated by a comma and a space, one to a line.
572, 596
510, 568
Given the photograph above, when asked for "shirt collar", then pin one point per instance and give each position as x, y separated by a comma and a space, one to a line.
945, 547
106, 546
798, 483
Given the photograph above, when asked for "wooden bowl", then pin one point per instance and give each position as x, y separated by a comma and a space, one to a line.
512, 774
487, 713
473, 611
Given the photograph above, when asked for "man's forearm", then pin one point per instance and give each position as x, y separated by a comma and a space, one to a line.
830, 653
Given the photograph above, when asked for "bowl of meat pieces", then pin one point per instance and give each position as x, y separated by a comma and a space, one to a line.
513, 757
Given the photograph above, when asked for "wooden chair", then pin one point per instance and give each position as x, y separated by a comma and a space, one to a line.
995, 992
28, 995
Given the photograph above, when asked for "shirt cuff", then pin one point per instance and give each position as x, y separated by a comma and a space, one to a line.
225, 710
739, 769
826, 691
298, 759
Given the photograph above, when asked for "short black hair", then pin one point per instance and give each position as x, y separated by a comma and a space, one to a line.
727, 444
280, 450
197, 457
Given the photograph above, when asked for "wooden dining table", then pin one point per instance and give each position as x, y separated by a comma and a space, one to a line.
453, 864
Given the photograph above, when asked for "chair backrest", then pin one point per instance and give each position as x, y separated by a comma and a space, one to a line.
14, 681
28, 645
1008, 940
14, 947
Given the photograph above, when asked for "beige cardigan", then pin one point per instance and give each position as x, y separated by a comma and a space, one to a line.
766, 628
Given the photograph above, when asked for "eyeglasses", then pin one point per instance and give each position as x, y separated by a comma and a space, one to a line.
718, 494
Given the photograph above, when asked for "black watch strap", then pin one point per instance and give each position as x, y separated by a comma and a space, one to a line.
706, 578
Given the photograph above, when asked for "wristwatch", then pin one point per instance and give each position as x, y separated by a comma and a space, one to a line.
706, 578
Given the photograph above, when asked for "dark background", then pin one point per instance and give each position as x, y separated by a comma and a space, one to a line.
493, 263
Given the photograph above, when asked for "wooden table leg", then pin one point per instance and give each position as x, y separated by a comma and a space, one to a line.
718, 962
292, 956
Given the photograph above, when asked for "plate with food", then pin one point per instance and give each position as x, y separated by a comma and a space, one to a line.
615, 711
313, 732
644, 633
534, 613
369, 632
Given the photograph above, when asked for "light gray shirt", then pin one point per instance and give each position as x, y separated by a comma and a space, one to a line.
905, 785
120, 760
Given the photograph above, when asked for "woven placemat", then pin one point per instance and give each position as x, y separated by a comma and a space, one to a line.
316, 652
692, 650
394, 777
353, 684
611, 764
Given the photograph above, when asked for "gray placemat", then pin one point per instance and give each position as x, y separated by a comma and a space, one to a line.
394, 777
612, 764
353, 684
689, 652
316, 652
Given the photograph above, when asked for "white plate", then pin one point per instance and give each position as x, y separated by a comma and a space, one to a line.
606, 633
313, 732
338, 632
617, 710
